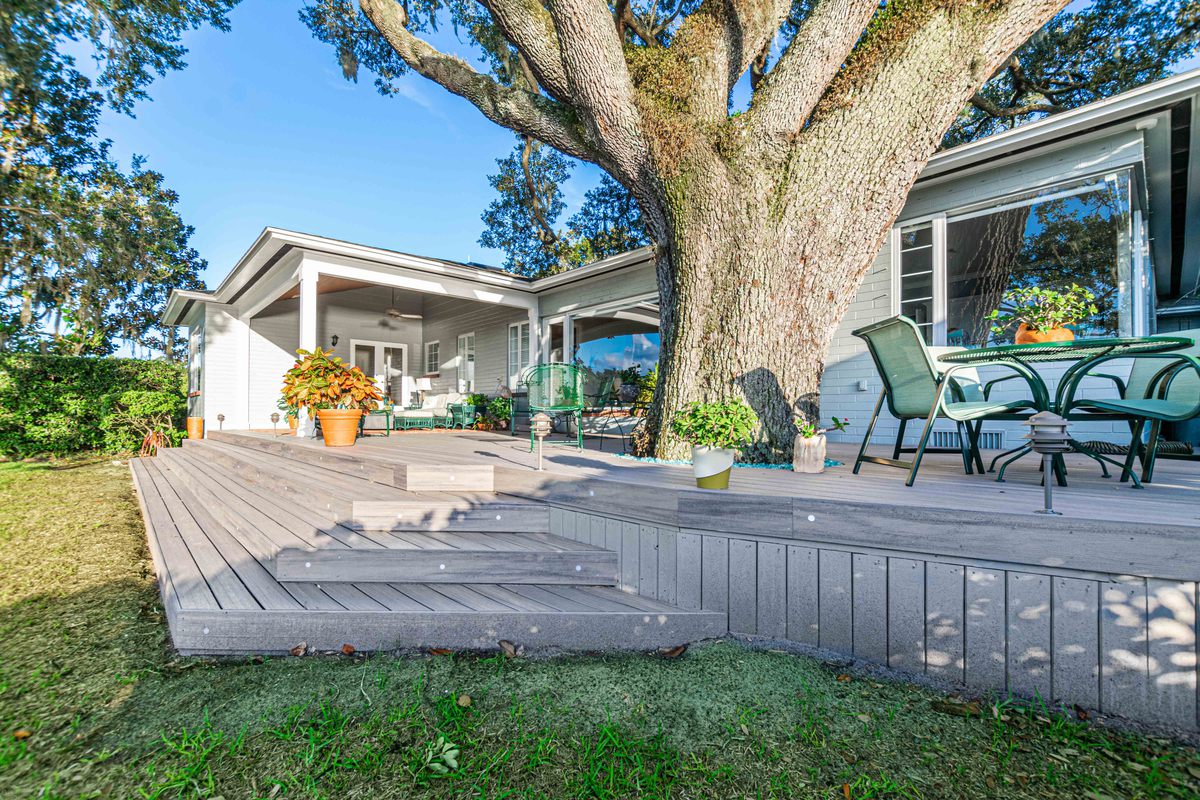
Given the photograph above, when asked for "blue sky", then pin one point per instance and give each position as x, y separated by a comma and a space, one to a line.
262, 129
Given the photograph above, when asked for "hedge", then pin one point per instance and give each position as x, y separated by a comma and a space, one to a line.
59, 405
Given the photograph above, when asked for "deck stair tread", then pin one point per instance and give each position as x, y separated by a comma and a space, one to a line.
299, 545
362, 504
221, 598
400, 473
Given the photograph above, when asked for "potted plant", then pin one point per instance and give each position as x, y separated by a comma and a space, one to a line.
290, 413
1041, 315
715, 431
808, 451
321, 383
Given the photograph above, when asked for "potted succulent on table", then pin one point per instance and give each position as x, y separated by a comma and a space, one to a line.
1042, 315
338, 395
808, 450
715, 431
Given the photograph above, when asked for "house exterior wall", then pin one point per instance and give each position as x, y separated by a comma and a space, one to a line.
225, 368
631, 281
849, 366
446, 319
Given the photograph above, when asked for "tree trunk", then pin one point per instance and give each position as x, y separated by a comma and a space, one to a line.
750, 302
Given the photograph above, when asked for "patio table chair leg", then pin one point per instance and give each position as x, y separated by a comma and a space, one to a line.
1021, 448
964, 447
1018, 454
899, 440
1135, 449
975, 430
926, 432
862, 450
1151, 454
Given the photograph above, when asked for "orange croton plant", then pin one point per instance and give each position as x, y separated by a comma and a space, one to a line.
319, 379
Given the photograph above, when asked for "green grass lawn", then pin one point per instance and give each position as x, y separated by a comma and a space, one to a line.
94, 704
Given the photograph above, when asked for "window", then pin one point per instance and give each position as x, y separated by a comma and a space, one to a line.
952, 271
466, 362
518, 352
433, 361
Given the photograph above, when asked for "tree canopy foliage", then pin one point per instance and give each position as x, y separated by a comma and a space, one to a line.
1086, 53
88, 250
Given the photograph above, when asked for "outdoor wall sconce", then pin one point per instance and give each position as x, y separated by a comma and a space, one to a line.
220, 421
334, 340
274, 423
541, 429
1048, 436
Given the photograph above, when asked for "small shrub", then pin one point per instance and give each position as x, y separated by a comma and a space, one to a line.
728, 424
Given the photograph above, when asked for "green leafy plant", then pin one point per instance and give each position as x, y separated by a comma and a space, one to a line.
499, 409
441, 756
321, 380
477, 400
289, 411
59, 405
727, 425
809, 430
1043, 309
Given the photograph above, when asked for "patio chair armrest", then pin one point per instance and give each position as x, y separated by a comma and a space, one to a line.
1164, 376
987, 387
1121, 387
1041, 398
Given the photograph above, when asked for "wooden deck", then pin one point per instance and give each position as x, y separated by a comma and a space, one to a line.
252, 556
1173, 498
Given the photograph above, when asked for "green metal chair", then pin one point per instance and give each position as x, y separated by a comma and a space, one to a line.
556, 389
1161, 387
914, 387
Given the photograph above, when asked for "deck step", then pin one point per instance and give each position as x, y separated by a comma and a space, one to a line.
295, 543
510, 562
462, 515
409, 477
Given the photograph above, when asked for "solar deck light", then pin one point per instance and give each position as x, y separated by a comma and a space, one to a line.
541, 429
274, 423
220, 422
1048, 436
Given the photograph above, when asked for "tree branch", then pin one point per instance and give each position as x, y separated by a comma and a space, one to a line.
788, 94
997, 111
600, 87
517, 109
528, 26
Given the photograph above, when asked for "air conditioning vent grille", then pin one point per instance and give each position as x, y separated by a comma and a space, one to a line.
988, 440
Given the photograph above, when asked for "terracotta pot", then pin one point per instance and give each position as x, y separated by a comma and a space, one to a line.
339, 426
1027, 335
293, 422
712, 466
195, 427
808, 454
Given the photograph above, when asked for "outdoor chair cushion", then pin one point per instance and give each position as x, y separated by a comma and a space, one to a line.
416, 413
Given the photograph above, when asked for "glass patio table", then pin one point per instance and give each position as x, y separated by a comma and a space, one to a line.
1084, 352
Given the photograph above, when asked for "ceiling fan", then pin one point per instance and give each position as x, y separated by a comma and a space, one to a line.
393, 312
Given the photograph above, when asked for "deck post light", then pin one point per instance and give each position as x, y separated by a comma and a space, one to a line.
1048, 436
220, 422
274, 423
541, 429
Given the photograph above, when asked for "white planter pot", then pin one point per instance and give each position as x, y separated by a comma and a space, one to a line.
808, 455
711, 466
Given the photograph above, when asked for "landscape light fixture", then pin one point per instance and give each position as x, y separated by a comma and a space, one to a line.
274, 423
1048, 436
220, 422
541, 424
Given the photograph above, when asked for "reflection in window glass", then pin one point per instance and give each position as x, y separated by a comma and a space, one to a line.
1075, 234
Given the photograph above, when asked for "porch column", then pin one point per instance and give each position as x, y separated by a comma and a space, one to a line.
536, 346
308, 331
568, 339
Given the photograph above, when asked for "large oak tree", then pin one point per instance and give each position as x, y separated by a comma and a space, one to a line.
765, 221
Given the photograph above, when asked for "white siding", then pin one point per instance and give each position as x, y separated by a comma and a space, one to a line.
225, 346
446, 318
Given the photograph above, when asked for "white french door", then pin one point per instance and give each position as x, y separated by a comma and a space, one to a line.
387, 362
466, 363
